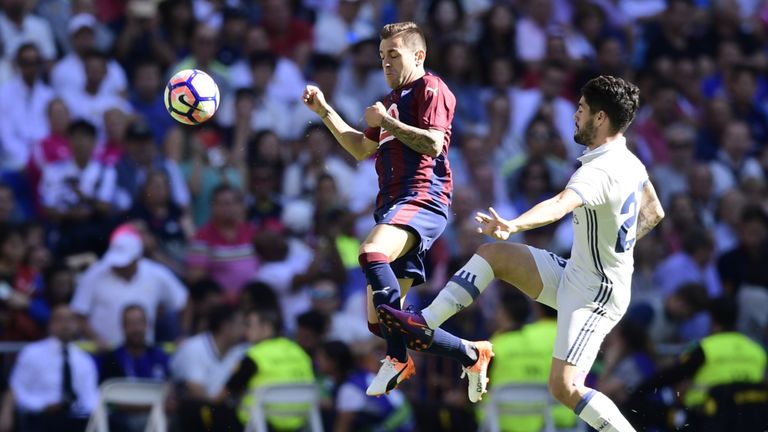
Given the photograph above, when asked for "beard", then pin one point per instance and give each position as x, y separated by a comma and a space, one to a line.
585, 135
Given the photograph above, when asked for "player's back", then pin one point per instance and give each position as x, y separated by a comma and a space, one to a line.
610, 181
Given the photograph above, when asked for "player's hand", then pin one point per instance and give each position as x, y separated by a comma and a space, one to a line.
315, 100
374, 114
494, 225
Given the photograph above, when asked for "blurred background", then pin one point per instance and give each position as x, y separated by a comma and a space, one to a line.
259, 208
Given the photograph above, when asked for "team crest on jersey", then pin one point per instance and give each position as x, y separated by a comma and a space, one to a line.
385, 136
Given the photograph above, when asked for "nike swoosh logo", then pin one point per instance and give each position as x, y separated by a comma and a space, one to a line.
410, 321
182, 98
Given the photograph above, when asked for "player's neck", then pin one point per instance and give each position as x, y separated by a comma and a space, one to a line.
601, 140
415, 75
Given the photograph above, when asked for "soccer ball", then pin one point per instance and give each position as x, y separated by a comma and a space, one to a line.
191, 96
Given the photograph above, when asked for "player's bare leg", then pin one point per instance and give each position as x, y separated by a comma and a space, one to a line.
510, 262
566, 383
384, 244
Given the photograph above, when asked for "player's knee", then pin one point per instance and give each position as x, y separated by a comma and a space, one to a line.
496, 254
366, 257
562, 390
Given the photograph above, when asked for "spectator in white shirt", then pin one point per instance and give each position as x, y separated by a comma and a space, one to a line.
733, 163
18, 26
54, 384
269, 113
121, 278
203, 364
336, 30
69, 72
23, 102
95, 98
76, 192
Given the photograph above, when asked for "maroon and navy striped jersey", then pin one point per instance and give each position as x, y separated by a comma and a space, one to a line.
406, 175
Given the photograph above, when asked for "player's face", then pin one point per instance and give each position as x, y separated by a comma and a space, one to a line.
399, 61
585, 124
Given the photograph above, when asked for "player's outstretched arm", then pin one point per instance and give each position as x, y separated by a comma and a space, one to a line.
651, 212
351, 139
543, 213
424, 141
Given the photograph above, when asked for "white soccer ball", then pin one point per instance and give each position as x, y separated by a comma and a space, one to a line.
191, 96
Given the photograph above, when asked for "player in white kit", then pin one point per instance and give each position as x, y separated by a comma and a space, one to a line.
613, 204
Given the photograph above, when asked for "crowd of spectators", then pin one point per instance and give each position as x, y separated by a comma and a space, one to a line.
116, 222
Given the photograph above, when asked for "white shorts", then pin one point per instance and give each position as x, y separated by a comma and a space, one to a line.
582, 324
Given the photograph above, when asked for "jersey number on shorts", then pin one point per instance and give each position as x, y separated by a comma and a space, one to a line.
628, 208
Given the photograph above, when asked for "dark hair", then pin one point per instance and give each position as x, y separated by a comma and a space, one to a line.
219, 316
617, 98
96, 54
262, 58
224, 188
694, 295
324, 62
725, 312
695, 239
515, 305
262, 295
82, 126
635, 336
26, 46
132, 307
410, 31
200, 289
272, 317
340, 353
754, 214
313, 320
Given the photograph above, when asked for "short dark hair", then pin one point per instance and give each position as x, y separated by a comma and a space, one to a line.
261, 58
617, 98
754, 214
219, 316
725, 312
132, 307
341, 354
24, 47
200, 289
313, 320
82, 126
515, 305
273, 317
694, 295
410, 31
224, 188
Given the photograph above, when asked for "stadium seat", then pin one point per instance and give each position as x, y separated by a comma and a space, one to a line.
130, 392
285, 400
519, 399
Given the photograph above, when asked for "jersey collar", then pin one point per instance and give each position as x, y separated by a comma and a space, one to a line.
589, 155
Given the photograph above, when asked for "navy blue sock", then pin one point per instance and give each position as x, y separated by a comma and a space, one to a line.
447, 345
386, 290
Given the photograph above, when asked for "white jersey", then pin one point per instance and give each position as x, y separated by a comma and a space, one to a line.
610, 182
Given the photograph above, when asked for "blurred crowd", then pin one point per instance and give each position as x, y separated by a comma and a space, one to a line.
121, 228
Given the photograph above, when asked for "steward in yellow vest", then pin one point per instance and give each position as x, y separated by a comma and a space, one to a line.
524, 356
723, 357
271, 360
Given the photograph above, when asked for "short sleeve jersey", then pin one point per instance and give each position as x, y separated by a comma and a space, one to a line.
406, 175
610, 183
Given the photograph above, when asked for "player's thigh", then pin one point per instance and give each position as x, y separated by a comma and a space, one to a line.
405, 285
390, 240
515, 264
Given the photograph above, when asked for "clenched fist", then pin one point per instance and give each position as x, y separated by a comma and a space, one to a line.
313, 98
374, 114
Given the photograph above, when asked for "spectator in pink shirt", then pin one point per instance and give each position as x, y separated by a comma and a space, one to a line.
222, 249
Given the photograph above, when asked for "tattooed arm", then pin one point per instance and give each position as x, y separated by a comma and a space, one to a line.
425, 141
651, 212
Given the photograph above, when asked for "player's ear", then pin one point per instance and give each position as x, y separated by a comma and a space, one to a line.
421, 55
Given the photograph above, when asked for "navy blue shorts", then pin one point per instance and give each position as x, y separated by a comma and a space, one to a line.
427, 225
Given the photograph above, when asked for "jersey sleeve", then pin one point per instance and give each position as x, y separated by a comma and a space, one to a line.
591, 184
372, 133
435, 106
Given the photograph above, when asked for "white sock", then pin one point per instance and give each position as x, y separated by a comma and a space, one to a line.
599, 412
466, 285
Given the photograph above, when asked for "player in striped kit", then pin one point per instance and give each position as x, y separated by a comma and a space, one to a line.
613, 205
409, 133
